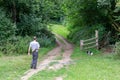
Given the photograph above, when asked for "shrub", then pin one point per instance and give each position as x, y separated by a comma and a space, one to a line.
16, 45
46, 41
19, 45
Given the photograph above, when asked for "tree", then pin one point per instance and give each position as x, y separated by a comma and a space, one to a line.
25, 18
29, 16
7, 28
84, 16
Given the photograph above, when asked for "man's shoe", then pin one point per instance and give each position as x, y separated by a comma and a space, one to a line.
35, 68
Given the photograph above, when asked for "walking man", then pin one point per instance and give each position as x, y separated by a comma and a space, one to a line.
34, 45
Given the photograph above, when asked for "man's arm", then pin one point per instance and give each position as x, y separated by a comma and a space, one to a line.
38, 45
29, 50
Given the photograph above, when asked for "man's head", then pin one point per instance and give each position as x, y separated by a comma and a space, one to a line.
35, 38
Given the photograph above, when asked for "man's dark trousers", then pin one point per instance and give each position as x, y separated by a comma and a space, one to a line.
34, 59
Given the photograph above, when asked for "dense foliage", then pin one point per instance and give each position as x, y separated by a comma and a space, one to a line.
85, 16
7, 28
22, 19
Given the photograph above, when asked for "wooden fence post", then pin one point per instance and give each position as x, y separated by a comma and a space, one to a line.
81, 44
96, 35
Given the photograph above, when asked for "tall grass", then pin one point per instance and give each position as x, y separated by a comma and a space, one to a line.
16, 45
19, 45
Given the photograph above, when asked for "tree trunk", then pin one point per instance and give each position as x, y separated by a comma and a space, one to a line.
14, 12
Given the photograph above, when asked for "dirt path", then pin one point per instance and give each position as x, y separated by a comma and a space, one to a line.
63, 50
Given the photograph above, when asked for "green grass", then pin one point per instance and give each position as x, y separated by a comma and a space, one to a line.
59, 29
97, 67
13, 67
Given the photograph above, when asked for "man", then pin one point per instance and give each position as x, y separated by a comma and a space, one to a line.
34, 45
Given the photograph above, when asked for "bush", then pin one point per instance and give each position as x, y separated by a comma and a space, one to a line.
46, 41
16, 45
28, 25
19, 45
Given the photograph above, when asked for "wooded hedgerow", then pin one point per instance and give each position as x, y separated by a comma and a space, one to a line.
20, 20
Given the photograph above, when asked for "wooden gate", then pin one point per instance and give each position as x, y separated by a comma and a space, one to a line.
89, 43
